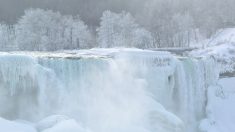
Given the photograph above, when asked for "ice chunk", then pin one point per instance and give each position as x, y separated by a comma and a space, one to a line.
10, 126
50, 122
220, 108
66, 126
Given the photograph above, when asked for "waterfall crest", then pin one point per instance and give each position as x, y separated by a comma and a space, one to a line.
120, 92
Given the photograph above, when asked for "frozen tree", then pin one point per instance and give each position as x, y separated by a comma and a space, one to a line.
143, 39
3, 38
106, 31
184, 30
121, 30
38, 30
163, 18
157, 16
7, 37
205, 16
47, 30
81, 36
74, 33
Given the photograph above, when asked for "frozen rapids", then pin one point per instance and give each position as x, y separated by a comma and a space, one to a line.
101, 91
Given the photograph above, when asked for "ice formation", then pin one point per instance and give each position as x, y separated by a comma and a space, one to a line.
220, 108
222, 47
10, 126
119, 91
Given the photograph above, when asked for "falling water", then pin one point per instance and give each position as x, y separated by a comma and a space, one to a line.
126, 91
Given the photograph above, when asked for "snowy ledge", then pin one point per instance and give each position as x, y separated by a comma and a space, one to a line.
92, 53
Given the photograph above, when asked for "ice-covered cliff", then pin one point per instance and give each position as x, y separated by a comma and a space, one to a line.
222, 47
107, 91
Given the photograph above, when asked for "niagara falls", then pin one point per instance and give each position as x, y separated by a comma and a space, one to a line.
117, 66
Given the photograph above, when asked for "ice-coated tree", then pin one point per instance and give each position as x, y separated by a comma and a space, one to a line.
81, 36
157, 16
47, 30
184, 30
121, 30
106, 31
74, 33
143, 39
206, 16
36, 30
7, 37
3, 38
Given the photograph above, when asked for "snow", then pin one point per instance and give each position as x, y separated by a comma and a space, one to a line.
10, 126
220, 109
51, 121
223, 51
56, 123
66, 126
91, 53
222, 36
222, 47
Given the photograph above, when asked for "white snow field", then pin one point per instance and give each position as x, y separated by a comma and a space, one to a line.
104, 90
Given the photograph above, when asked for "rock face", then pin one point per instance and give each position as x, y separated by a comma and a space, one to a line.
141, 91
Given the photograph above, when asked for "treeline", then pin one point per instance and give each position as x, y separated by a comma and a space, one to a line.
45, 30
182, 22
172, 23
155, 23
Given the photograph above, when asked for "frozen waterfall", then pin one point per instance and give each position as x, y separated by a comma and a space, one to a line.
121, 91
